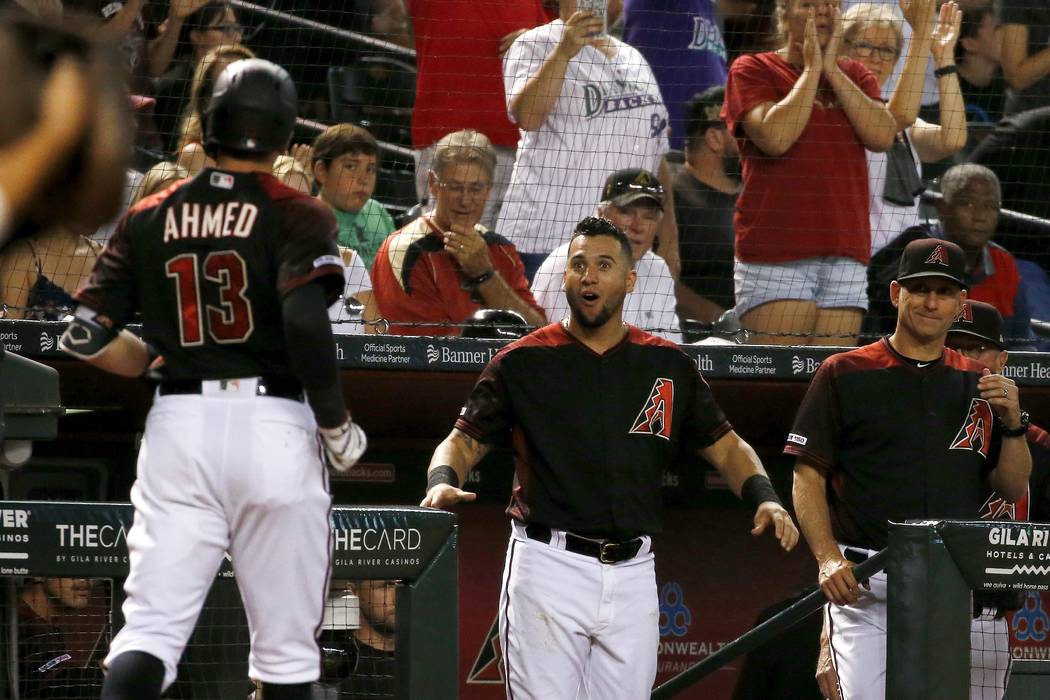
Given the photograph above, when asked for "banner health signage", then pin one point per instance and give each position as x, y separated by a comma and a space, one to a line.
90, 540
999, 555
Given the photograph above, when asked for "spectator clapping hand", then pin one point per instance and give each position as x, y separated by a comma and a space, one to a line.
303, 153
918, 13
945, 34
811, 53
831, 50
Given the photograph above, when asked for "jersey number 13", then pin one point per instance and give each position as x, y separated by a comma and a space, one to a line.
231, 321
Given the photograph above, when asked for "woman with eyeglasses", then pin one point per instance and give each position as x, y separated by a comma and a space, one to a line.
803, 119
213, 24
872, 35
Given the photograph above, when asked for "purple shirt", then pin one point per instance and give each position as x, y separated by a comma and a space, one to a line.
683, 43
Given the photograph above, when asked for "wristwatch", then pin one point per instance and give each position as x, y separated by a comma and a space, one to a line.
1020, 430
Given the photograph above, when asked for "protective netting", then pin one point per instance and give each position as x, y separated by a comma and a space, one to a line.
760, 182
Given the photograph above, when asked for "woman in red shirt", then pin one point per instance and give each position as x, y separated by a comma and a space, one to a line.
803, 120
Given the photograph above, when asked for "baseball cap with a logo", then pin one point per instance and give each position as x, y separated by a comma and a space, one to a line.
631, 184
981, 321
930, 257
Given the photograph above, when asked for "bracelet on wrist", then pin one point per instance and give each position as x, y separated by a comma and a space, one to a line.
757, 490
472, 282
442, 474
946, 70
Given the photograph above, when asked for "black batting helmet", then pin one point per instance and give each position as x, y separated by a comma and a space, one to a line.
252, 109
497, 324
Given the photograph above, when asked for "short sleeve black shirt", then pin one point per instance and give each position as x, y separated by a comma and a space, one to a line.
592, 434
895, 441
207, 263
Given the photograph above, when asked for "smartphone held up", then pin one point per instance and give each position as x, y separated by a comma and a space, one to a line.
600, 9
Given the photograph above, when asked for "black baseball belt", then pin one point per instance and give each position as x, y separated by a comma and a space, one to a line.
605, 551
277, 387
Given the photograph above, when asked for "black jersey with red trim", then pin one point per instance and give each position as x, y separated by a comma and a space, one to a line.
592, 434
207, 263
895, 440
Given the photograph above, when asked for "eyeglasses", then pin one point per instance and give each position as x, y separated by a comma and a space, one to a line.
864, 50
227, 28
459, 188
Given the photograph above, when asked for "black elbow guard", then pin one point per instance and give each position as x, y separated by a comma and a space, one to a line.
86, 336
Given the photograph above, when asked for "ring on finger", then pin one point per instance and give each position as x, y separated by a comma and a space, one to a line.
1005, 392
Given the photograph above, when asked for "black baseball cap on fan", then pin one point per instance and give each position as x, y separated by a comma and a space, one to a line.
982, 321
931, 257
631, 184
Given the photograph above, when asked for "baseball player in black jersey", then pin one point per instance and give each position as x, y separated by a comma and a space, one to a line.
578, 613
232, 273
901, 428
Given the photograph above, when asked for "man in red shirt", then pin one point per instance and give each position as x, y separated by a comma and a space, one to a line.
969, 215
459, 46
443, 267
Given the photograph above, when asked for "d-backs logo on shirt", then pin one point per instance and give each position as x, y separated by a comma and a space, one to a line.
655, 416
975, 432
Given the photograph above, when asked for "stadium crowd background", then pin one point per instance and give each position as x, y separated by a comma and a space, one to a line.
795, 240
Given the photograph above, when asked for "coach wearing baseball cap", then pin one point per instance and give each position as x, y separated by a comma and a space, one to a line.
899, 429
632, 199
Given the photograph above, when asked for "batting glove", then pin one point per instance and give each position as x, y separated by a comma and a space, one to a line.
344, 445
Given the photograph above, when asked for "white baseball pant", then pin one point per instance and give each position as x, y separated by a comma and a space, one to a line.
857, 635
573, 627
229, 471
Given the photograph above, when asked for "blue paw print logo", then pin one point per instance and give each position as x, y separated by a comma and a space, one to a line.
1031, 622
675, 617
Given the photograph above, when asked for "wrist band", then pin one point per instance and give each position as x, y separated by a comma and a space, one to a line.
758, 490
472, 282
946, 70
442, 474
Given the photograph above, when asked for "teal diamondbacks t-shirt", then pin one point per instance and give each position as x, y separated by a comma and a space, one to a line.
364, 231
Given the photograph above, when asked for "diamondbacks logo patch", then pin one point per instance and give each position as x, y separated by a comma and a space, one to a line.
655, 416
974, 433
965, 314
998, 508
939, 256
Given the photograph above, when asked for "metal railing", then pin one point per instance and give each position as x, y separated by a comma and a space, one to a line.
345, 34
771, 628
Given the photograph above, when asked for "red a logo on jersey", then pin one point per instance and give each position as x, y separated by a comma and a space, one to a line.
655, 416
998, 508
974, 433
939, 256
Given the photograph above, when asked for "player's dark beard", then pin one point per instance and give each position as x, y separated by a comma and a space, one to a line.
599, 320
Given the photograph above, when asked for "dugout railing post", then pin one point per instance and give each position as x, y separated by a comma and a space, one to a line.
428, 612
928, 615
934, 567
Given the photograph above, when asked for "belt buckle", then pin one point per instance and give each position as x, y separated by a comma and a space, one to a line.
603, 552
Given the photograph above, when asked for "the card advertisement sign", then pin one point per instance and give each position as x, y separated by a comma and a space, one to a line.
90, 540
